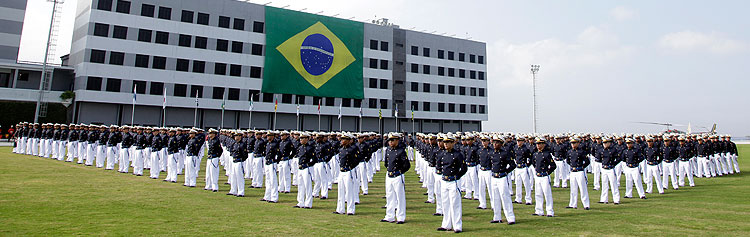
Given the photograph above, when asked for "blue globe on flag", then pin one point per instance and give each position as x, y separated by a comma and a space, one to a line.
316, 54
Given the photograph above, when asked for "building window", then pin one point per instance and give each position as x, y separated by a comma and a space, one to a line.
180, 90
473, 91
239, 24
480, 60
196, 91
254, 95
452, 90
473, 74
426, 106
104, 5
187, 16
461, 73
372, 103
123, 7
317, 100
286, 98
218, 93
199, 66
202, 19
462, 108
94, 84
373, 63
473, 109
426, 87
183, 65
462, 57
162, 37
222, 45
357, 103
165, 13
256, 49
414, 68
159, 63
235, 70
452, 108
258, 27
224, 22
441, 71
384, 64
481, 92
426, 69
119, 32
144, 35
184, 40
255, 72
451, 55
441, 107
157, 88
472, 58
300, 99
482, 109
374, 44
234, 94
441, 89
140, 87
141, 60
383, 104
101, 29
220, 68
201, 42
330, 101
116, 58
415, 105
415, 86
97, 56
383, 46
441, 54
426, 52
373, 83
147, 10
383, 84
237, 47
462, 90
414, 50
481, 75
346, 102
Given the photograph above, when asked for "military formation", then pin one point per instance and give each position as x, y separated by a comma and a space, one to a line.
450, 166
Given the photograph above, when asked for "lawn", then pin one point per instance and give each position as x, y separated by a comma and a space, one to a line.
47, 197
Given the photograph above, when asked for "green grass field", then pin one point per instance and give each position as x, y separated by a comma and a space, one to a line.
40, 196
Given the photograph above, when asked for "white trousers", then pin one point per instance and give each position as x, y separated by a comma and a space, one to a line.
685, 169
523, 180
192, 166
484, 188
609, 180
155, 165
668, 170
703, 170
395, 199
112, 156
285, 175
237, 177
597, 170
212, 174
272, 185
172, 160
61, 146
471, 182
438, 183
579, 183
364, 172
542, 193
346, 193
248, 167
101, 155
295, 170
124, 163
633, 176
137, 157
451, 199
561, 173
304, 188
91, 152
652, 172
321, 179
257, 171
429, 182
502, 200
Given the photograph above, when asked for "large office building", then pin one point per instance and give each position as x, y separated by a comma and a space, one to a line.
216, 51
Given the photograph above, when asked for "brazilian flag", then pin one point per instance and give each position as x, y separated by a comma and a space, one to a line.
312, 55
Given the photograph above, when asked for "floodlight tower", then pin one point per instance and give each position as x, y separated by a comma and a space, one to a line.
534, 70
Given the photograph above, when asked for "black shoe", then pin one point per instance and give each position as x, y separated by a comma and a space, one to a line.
437, 214
323, 198
494, 222
384, 220
295, 206
427, 202
273, 202
528, 204
349, 214
384, 207
586, 208
510, 223
364, 194
400, 222
383, 197
239, 196
617, 203
457, 231
336, 213
550, 216
263, 200
627, 197
424, 194
644, 197
534, 214
230, 194
571, 207
442, 229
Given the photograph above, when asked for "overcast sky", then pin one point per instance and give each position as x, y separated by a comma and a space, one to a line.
604, 64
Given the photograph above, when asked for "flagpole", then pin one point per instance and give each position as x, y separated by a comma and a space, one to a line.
275, 107
360, 117
340, 116
164, 108
132, 113
195, 117
319, 100
250, 120
298, 117
223, 105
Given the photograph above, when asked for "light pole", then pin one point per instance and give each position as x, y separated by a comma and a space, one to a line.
534, 70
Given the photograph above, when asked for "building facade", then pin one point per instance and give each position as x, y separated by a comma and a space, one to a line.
214, 50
